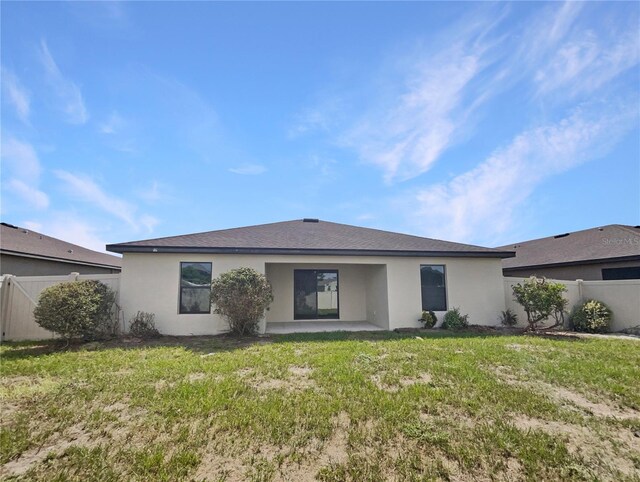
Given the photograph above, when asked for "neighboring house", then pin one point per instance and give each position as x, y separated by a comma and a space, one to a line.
607, 253
26, 253
318, 270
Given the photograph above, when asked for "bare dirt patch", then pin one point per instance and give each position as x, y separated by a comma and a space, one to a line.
300, 464
298, 379
402, 382
74, 435
609, 455
565, 396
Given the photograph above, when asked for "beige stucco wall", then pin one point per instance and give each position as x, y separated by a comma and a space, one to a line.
584, 271
377, 293
150, 283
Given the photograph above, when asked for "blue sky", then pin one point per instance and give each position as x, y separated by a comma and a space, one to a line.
474, 122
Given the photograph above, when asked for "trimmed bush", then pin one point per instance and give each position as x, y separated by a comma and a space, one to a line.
508, 318
428, 319
541, 300
454, 320
592, 316
79, 309
241, 295
142, 325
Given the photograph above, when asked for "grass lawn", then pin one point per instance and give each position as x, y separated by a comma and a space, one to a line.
333, 406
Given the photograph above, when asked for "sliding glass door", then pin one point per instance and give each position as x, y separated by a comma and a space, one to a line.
315, 294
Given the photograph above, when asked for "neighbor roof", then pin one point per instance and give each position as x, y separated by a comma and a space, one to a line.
307, 236
615, 242
24, 242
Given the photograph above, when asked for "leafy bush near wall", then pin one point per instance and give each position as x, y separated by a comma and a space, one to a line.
428, 319
592, 317
541, 300
241, 295
454, 320
508, 318
142, 325
79, 309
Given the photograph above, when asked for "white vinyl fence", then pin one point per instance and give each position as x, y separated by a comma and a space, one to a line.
19, 296
622, 296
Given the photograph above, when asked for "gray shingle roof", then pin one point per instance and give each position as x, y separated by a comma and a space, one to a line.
16, 240
301, 237
614, 241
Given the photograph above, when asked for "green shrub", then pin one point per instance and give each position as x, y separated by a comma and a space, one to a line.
508, 318
592, 317
428, 319
241, 295
142, 325
79, 309
541, 300
454, 320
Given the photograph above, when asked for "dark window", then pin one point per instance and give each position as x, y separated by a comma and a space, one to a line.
434, 288
632, 272
315, 294
195, 287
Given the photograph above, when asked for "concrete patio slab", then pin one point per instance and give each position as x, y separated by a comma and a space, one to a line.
319, 326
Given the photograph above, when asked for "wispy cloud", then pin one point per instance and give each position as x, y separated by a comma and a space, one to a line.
68, 227
584, 64
480, 204
113, 124
22, 168
32, 195
16, 95
248, 169
155, 193
406, 141
21, 159
67, 94
86, 189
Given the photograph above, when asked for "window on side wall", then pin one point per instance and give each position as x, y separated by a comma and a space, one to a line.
195, 288
434, 287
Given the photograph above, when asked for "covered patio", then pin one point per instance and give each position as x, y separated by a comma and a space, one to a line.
323, 297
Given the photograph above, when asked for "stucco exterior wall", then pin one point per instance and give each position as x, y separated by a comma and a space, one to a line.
377, 296
25, 266
150, 283
587, 272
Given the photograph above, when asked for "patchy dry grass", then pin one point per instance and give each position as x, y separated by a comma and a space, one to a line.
330, 407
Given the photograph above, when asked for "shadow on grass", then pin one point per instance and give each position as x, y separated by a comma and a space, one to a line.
209, 344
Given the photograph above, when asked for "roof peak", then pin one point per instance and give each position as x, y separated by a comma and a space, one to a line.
308, 235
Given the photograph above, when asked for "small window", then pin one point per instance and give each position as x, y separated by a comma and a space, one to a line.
434, 288
632, 272
195, 288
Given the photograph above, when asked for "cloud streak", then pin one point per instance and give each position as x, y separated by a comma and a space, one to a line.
248, 170
481, 203
86, 189
23, 170
16, 95
68, 96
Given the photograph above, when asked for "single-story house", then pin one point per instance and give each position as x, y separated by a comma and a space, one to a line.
24, 252
605, 253
320, 271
